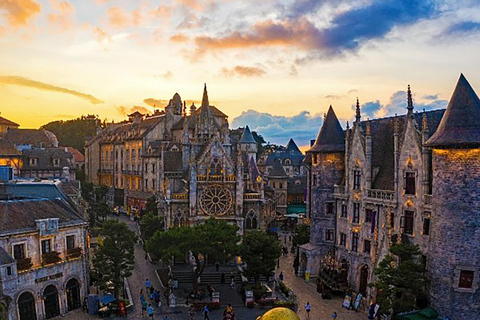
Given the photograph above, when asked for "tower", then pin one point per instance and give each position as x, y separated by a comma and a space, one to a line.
454, 256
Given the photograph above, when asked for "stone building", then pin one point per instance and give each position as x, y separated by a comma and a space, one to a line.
192, 163
379, 181
43, 266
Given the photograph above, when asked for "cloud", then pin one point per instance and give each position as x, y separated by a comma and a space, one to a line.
18, 12
333, 96
346, 32
279, 129
102, 36
63, 17
117, 17
242, 72
463, 28
25, 82
161, 12
180, 37
124, 111
397, 104
155, 102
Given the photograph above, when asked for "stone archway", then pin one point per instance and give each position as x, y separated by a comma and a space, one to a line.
73, 294
52, 307
26, 306
363, 280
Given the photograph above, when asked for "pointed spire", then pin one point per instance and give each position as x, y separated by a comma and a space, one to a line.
292, 147
331, 137
357, 112
460, 125
409, 100
205, 102
247, 136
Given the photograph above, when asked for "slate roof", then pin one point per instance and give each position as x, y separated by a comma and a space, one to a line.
129, 130
296, 188
460, 125
331, 137
6, 122
7, 148
137, 194
296, 159
19, 215
247, 136
172, 161
277, 170
292, 147
35, 137
45, 158
5, 258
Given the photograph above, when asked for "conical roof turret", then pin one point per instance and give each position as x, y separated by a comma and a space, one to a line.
331, 137
247, 136
292, 147
460, 124
205, 102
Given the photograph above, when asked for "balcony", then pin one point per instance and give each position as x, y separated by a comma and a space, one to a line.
340, 190
73, 253
380, 194
252, 196
180, 196
216, 178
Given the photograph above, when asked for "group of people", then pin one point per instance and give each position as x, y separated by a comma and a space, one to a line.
154, 299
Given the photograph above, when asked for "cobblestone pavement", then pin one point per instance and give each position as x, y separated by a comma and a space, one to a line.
307, 292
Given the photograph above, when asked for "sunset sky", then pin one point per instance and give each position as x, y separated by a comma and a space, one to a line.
275, 65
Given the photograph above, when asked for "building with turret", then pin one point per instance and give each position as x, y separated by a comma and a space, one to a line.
192, 164
414, 177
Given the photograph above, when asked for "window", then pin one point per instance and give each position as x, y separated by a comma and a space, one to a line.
70, 242
19, 251
133, 154
153, 184
368, 215
392, 219
410, 183
9, 271
344, 211
426, 226
366, 246
356, 179
46, 246
466, 279
153, 167
146, 183
146, 167
343, 239
356, 212
329, 235
314, 180
281, 186
408, 222
314, 158
56, 162
33, 162
329, 208
355, 241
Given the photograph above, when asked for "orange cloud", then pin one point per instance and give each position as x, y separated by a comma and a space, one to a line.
180, 37
161, 12
102, 36
117, 17
300, 33
63, 18
19, 11
25, 82
155, 102
243, 72
126, 110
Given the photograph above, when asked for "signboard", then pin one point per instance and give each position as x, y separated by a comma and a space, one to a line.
53, 276
357, 301
347, 301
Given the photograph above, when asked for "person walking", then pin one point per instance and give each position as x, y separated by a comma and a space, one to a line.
144, 307
308, 308
217, 266
147, 284
334, 316
205, 313
280, 276
150, 311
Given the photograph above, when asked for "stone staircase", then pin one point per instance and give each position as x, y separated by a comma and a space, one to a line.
208, 277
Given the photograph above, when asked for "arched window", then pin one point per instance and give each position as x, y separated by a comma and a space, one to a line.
52, 307
251, 220
215, 167
26, 306
288, 161
179, 220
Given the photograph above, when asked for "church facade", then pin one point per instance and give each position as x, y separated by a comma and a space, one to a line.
416, 177
194, 164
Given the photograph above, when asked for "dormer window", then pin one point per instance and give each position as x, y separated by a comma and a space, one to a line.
56, 162
288, 162
33, 162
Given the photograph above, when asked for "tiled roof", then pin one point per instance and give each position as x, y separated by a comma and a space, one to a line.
331, 137
77, 155
21, 214
277, 170
130, 130
36, 137
7, 148
6, 122
292, 147
45, 158
295, 158
137, 194
247, 136
460, 125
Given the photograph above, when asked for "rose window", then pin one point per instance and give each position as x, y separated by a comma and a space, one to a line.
215, 200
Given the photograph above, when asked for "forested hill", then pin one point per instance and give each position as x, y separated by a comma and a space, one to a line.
73, 133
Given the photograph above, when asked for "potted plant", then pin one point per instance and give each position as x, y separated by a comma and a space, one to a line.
74, 252
51, 257
24, 264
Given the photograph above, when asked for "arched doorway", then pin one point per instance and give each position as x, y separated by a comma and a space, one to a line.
344, 268
363, 280
52, 309
73, 294
26, 306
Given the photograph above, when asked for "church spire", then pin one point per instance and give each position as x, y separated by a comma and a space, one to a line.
205, 102
409, 100
357, 112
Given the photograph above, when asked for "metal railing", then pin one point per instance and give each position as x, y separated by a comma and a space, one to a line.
252, 196
380, 194
204, 177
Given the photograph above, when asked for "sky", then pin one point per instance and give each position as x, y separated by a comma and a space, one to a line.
273, 65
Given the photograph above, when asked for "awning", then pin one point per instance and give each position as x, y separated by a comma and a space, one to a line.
106, 299
293, 215
297, 208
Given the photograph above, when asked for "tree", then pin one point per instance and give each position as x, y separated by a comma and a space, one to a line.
115, 257
401, 279
151, 206
149, 224
260, 252
214, 240
301, 234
